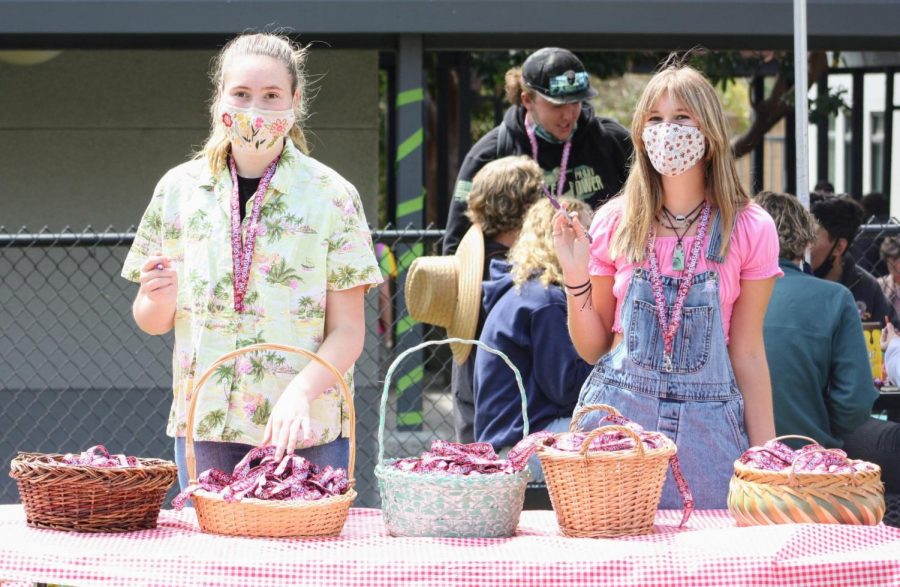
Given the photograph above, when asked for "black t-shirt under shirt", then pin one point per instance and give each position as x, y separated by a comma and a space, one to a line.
246, 188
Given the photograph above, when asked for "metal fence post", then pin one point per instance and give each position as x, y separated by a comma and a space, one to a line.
410, 213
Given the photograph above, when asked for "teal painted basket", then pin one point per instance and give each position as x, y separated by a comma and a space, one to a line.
443, 505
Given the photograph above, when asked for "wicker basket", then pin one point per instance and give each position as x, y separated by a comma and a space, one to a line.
605, 493
264, 518
445, 505
757, 497
91, 499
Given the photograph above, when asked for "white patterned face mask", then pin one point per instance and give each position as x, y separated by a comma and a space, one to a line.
256, 130
673, 148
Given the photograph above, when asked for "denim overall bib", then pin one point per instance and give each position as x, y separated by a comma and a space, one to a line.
696, 403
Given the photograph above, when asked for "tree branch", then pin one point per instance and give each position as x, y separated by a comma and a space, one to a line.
774, 107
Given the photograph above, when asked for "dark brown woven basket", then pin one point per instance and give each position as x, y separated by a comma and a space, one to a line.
91, 499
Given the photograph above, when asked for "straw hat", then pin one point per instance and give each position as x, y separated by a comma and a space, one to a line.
446, 291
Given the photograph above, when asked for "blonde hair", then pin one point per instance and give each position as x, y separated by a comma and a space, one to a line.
534, 250
797, 228
643, 192
514, 85
278, 47
502, 191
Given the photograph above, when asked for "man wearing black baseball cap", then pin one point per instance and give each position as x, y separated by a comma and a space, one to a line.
581, 155
549, 96
558, 76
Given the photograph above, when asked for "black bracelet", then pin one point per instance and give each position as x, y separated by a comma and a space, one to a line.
585, 290
585, 284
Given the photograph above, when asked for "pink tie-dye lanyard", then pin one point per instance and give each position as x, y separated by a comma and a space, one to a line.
670, 324
563, 164
563, 168
242, 253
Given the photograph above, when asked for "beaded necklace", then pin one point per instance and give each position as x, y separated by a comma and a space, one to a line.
669, 323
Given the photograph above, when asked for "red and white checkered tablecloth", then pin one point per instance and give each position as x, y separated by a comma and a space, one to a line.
711, 551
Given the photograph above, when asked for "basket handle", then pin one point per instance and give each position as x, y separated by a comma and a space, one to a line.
574, 425
638, 443
780, 438
382, 416
195, 393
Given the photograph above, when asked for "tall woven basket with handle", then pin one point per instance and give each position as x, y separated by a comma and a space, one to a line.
758, 497
605, 493
447, 505
256, 517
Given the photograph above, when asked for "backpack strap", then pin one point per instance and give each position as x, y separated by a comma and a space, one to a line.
505, 144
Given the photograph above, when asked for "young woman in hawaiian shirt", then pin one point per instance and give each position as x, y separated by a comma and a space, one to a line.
254, 241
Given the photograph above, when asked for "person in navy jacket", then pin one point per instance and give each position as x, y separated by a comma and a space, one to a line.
525, 307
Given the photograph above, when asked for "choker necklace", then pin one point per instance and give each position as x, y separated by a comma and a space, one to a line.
681, 219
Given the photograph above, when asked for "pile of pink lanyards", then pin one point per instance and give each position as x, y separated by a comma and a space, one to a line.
477, 458
812, 458
292, 478
98, 456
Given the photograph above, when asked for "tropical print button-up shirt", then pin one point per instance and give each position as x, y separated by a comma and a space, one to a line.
313, 238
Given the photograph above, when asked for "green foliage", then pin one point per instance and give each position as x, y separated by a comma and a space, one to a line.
724, 68
823, 106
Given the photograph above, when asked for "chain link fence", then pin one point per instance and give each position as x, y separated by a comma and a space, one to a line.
76, 371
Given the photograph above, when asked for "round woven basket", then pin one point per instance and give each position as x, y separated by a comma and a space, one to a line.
445, 505
91, 499
264, 518
757, 497
604, 494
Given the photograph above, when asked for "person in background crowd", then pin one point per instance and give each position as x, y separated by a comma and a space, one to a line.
876, 440
890, 283
525, 309
581, 155
865, 247
670, 298
502, 192
824, 187
235, 248
818, 361
839, 219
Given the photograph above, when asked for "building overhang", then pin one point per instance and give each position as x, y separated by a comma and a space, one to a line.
453, 24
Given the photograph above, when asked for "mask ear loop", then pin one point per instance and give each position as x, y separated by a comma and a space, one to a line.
828, 257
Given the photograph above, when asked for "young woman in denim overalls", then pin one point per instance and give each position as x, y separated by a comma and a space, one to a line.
668, 297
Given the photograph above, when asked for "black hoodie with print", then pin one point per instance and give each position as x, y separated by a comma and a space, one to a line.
598, 163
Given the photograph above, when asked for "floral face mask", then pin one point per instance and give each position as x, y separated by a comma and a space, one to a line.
256, 130
673, 148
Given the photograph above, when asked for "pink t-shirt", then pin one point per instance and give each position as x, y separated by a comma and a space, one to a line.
753, 255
